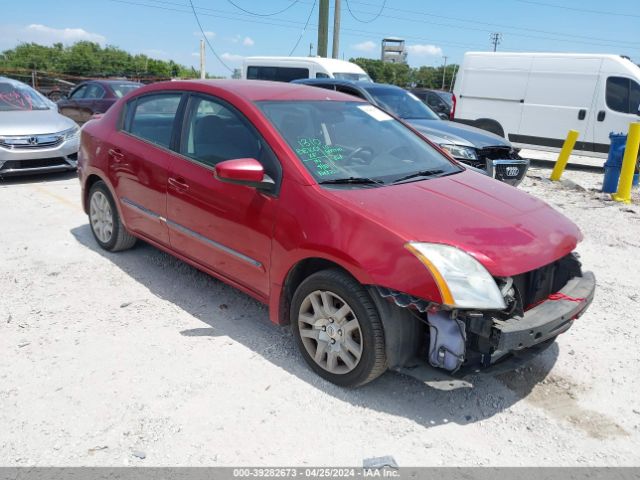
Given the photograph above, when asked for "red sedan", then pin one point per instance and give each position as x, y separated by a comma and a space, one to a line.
377, 247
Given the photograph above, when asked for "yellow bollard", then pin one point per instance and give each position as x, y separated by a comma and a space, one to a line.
563, 158
628, 164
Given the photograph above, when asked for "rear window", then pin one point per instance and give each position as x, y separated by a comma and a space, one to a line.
277, 74
121, 89
355, 77
16, 97
153, 117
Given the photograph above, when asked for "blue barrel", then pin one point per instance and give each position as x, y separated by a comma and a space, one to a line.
613, 165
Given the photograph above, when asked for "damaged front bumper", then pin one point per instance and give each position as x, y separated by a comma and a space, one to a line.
538, 325
459, 343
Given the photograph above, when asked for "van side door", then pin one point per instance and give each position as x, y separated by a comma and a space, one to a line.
560, 97
618, 106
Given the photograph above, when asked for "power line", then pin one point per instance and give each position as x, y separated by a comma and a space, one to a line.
262, 14
502, 26
583, 10
304, 29
290, 23
607, 45
366, 21
206, 39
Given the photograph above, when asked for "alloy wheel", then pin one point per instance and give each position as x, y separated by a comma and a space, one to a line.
330, 332
101, 216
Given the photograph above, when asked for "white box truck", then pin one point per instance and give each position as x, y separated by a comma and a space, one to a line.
534, 99
285, 69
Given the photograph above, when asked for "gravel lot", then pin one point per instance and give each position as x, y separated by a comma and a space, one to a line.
107, 358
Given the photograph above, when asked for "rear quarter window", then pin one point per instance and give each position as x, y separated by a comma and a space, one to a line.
152, 117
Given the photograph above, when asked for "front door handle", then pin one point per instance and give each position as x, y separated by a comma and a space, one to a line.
601, 115
582, 113
116, 154
179, 184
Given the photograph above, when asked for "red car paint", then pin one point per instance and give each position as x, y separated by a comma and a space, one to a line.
361, 230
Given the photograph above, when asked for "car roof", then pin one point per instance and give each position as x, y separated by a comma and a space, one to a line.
365, 85
253, 90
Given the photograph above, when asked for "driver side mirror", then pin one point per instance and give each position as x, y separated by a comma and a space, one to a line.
443, 116
244, 171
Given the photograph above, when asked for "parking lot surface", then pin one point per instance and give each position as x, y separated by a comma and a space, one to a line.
136, 358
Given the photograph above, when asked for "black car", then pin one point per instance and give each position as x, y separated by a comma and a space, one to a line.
438, 101
483, 150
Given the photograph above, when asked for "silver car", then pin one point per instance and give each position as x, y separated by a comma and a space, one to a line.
34, 137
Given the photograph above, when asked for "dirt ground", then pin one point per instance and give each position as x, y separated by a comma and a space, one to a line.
136, 358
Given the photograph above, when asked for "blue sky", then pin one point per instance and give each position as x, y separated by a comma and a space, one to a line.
167, 29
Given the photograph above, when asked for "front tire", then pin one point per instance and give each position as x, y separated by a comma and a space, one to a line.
338, 329
106, 225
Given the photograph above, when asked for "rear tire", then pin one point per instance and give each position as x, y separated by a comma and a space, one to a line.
338, 329
106, 225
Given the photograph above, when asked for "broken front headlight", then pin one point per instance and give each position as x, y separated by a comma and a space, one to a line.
462, 280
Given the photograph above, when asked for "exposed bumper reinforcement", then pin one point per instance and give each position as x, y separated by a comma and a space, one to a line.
548, 319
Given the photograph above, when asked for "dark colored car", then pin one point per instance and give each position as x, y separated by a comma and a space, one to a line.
472, 146
438, 101
94, 96
373, 244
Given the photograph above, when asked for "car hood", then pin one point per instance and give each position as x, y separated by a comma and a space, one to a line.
508, 231
443, 131
33, 122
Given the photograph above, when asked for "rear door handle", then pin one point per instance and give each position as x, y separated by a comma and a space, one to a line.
601, 115
116, 154
582, 113
179, 184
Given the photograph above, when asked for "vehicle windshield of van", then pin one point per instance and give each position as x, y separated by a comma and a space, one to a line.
354, 77
402, 103
354, 143
14, 97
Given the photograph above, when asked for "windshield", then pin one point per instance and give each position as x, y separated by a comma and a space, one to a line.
402, 103
15, 96
354, 77
121, 89
353, 140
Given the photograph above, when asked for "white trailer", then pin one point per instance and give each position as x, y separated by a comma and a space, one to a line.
534, 99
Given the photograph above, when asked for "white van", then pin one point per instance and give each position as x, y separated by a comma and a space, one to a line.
285, 69
534, 99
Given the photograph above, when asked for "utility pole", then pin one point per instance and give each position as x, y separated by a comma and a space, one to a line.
444, 71
336, 29
323, 28
310, 49
453, 77
495, 38
202, 72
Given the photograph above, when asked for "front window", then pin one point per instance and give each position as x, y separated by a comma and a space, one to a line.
94, 92
623, 95
401, 103
15, 97
354, 140
354, 77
